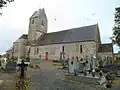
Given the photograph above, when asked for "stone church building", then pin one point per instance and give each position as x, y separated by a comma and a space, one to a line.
84, 42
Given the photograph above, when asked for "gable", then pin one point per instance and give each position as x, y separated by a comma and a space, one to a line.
36, 13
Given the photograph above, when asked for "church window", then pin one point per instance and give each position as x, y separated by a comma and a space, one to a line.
80, 48
37, 50
32, 21
62, 48
42, 22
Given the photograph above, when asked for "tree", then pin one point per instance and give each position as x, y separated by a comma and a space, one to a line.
118, 52
116, 30
0, 56
3, 3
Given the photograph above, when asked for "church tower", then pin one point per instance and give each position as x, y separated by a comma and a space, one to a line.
37, 25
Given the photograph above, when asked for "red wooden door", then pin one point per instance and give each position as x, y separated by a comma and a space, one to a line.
46, 55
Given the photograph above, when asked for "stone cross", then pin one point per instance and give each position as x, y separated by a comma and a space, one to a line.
22, 66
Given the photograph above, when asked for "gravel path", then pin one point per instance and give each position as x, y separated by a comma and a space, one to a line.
49, 78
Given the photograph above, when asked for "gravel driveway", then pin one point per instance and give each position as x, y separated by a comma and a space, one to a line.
49, 78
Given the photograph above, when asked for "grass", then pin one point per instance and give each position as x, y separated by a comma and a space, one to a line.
117, 63
117, 81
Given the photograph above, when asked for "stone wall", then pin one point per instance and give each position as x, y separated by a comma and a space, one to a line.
104, 54
116, 57
71, 49
20, 48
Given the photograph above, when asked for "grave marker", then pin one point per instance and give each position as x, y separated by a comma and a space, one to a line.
22, 66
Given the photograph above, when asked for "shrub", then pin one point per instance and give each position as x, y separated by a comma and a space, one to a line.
97, 69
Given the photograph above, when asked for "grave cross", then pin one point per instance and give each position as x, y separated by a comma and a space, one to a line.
22, 66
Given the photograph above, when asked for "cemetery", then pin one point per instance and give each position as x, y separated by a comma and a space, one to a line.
87, 72
76, 69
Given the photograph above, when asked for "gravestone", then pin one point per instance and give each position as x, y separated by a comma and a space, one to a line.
71, 66
77, 65
81, 67
91, 65
104, 61
10, 67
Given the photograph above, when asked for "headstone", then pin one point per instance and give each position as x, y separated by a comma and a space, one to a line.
104, 61
102, 80
71, 66
10, 67
81, 67
77, 65
87, 66
93, 61
93, 73
91, 65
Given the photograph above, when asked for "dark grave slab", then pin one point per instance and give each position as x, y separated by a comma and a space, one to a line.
10, 67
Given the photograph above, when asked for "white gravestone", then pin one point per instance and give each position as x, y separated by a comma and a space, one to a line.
93, 62
77, 65
71, 66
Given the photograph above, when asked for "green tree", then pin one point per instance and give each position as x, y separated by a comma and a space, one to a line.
3, 3
118, 52
116, 29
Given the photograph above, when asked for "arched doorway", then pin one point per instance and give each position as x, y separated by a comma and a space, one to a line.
46, 55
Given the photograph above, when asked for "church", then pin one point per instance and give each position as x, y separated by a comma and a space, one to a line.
83, 42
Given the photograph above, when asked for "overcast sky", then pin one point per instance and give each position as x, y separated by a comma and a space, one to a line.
68, 14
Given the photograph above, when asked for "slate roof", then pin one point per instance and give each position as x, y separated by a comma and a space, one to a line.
105, 47
10, 49
24, 36
67, 36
